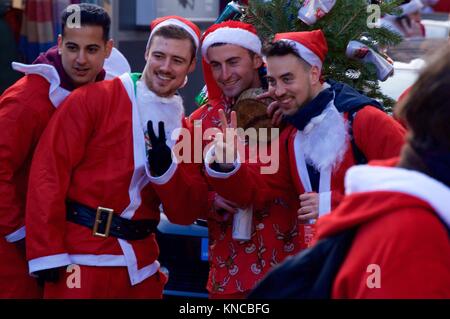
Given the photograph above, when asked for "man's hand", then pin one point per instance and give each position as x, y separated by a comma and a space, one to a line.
225, 151
48, 275
273, 109
223, 209
160, 155
309, 207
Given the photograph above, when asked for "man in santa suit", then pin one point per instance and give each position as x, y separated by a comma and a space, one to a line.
400, 208
232, 60
93, 198
25, 109
332, 127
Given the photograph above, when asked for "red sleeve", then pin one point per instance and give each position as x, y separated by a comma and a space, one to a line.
250, 186
185, 195
21, 128
377, 134
60, 149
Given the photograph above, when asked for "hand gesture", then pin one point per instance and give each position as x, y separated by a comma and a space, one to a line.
225, 152
309, 207
273, 109
160, 155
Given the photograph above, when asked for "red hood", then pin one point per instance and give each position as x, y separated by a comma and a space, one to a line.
380, 188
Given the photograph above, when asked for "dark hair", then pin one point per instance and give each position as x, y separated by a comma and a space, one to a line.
90, 14
426, 110
174, 32
283, 48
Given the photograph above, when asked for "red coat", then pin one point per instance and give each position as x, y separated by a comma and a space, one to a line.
93, 153
25, 109
236, 266
401, 248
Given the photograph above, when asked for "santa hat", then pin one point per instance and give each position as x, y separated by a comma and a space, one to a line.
411, 7
185, 24
229, 32
311, 46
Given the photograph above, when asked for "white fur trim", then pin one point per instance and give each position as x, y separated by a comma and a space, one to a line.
163, 179
364, 178
137, 275
99, 260
324, 203
56, 93
302, 170
236, 36
48, 262
216, 174
330, 128
305, 53
177, 23
16, 236
116, 65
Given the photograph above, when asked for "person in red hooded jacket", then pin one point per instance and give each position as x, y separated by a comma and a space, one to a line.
400, 208
25, 109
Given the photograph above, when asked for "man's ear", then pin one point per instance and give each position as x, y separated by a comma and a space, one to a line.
257, 61
314, 75
109, 47
192, 66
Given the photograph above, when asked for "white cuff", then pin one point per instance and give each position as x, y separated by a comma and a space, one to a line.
48, 262
324, 203
163, 179
16, 236
216, 174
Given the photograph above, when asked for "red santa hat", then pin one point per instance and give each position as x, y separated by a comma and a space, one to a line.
231, 32
311, 46
187, 25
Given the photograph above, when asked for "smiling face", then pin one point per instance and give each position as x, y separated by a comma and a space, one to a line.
83, 53
234, 68
168, 63
292, 82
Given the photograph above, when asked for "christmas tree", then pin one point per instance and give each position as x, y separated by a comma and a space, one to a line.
347, 20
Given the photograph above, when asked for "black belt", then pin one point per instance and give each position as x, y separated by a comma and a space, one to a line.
105, 223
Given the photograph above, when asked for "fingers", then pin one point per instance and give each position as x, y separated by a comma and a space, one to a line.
231, 204
151, 132
264, 95
233, 123
272, 108
277, 118
307, 217
161, 131
223, 121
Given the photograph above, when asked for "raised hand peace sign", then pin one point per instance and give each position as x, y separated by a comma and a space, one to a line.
225, 153
160, 155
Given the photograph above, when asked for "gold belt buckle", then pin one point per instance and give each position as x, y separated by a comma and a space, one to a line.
98, 220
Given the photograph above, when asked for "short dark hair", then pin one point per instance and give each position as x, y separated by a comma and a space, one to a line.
90, 15
426, 110
283, 48
175, 32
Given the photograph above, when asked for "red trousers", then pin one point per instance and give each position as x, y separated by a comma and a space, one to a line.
103, 283
15, 282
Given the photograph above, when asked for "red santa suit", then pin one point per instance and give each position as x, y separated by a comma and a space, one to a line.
25, 109
401, 248
94, 153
